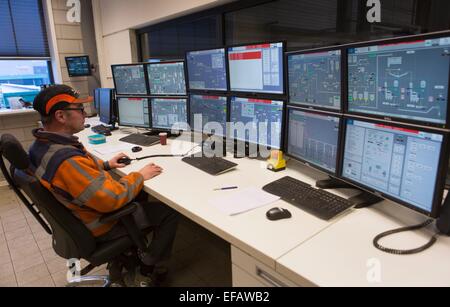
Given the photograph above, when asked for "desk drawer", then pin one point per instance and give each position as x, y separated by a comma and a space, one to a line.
256, 274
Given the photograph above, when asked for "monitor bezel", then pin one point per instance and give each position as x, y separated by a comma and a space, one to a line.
133, 97
310, 164
402, 39
162, 63
440, 175
227, 101
78, 57
210, 91
113, 67
247, 143
343, 75
253, 94
150, 99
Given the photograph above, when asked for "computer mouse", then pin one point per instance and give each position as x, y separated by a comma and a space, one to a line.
275, 214
136, 149
124, 160
107, 133
87, 126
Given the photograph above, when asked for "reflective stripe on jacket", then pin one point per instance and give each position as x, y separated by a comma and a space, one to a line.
79, 180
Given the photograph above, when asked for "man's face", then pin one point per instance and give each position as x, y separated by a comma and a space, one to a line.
74, 117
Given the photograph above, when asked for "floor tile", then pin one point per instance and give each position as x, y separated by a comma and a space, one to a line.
32, 274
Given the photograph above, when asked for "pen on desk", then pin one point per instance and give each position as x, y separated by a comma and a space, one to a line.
225, 188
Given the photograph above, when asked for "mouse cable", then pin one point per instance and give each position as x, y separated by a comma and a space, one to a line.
166, 156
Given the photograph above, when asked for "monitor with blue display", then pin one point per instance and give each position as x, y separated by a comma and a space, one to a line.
211, 110
166, 78
257, 68
169, 114
313, 138
130, 79
207, 70
406, 80
314, 79
261, 118
402, 163
78, 66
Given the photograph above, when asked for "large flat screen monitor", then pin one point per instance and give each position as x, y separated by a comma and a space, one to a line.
208, 114
104, 99
130, 79
313, 138
207, 70
256, 121
169, 114
257, 68
166, 78
314, 79
404, 164
406, 80
133, 112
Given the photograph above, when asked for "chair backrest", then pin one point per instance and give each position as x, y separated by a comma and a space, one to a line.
71, 238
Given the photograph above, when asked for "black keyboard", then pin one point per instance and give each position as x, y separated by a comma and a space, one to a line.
213, 166
319, 203
141, 139
100, 129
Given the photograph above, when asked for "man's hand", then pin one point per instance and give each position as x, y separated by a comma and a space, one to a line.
113, 162
150, 170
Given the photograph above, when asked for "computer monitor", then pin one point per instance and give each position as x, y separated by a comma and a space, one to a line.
169, 114
406, 79
207, 70
213, 112
133, 112
78, 66
405, 164
314, 79
166, 78
313, 138
257, 68
261, 118
130, 79
104, 98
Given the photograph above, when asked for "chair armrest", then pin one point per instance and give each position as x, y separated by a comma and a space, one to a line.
118, 214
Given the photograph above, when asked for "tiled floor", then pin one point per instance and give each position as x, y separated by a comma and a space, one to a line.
200, 259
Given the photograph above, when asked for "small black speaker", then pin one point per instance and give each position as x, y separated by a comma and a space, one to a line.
443, 223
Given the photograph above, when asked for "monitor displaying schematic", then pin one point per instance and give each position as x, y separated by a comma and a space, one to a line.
257, 121
208, 114
166, 78
401, 163
129, 79
313, 138
169, 113
314, 79
257, 68
207, 70
407, 80
133, 112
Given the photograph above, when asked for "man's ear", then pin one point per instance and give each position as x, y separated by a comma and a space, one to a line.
60, 117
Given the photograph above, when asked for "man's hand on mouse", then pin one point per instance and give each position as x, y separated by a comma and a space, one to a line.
150, 170
113, 162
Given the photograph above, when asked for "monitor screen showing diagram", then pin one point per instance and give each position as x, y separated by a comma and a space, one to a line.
207, 70
167, 78
129, 79
407, 80
169, 113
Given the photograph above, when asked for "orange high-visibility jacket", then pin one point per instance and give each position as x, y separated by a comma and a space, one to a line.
80, 181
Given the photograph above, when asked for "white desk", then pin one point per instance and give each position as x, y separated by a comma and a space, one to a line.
256, 241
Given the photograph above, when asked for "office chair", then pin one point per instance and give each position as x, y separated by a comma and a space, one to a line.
70, 237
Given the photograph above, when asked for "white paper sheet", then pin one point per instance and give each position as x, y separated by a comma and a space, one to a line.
243, 201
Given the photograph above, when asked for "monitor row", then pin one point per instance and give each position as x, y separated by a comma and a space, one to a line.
403, 163
406, 79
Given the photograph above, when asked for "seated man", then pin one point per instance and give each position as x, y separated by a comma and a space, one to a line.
81, 182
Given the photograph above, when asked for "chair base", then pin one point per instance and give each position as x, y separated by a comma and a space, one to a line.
85, 280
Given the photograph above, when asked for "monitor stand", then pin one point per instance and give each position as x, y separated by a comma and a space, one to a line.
157, 132
362, 200
333, 183
248, 152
